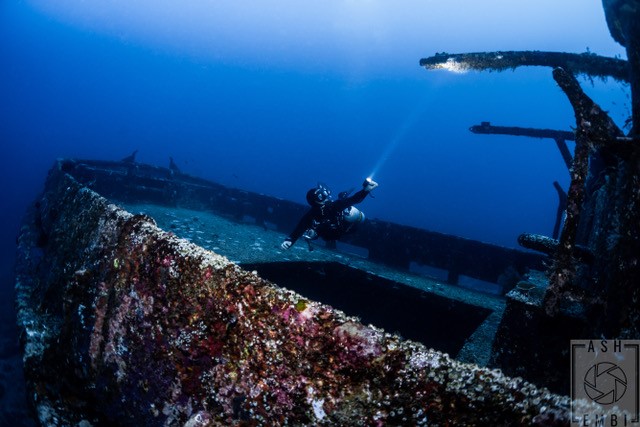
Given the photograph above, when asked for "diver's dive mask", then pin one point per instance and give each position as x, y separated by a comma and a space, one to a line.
318, 196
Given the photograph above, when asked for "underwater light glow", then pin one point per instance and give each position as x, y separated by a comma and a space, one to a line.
385, 154
353, 37
399, 136
453, 66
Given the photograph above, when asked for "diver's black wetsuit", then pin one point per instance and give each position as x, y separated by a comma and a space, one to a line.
325, 219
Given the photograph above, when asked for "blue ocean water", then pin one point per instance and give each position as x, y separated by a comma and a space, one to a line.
279, 118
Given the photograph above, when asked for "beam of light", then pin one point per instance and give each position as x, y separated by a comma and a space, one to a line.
398, 138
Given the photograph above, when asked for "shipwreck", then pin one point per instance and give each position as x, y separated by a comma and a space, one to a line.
146, 296
594, 262
151, 328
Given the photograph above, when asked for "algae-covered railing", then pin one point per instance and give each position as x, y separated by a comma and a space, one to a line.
125, 324
594, 271
385, 242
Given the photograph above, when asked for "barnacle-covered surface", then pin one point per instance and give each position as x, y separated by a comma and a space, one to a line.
126, 324
587, 63
594, 271
248, 243
13, 407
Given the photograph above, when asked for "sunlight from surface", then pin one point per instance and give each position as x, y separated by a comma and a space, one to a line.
352, 36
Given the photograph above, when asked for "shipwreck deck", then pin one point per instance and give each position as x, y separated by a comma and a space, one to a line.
410, 304
133, 310
404, 279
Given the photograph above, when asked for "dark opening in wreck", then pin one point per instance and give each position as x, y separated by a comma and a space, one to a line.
393, 306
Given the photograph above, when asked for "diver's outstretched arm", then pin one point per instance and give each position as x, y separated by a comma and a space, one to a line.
367, 186
305, 222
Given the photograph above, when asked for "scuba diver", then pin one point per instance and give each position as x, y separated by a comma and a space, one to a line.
329, 219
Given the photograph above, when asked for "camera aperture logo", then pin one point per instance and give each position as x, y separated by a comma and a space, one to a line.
605, 376
605, 383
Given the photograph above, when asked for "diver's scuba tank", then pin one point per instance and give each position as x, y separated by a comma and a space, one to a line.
353, 215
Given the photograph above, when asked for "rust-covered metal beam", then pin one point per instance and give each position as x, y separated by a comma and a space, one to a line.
586, 63
562, 206
595, 129
560, 136
549, 246
488, 129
